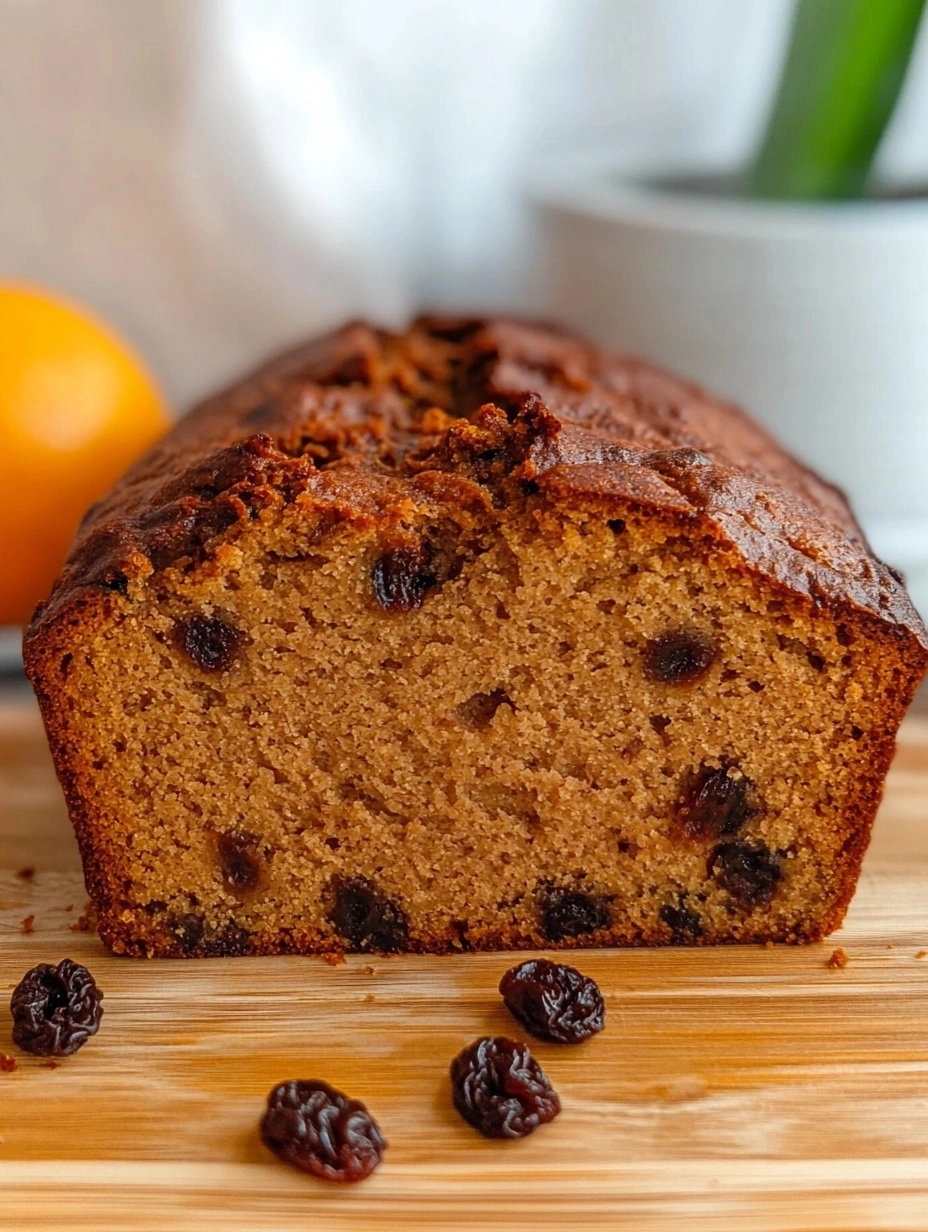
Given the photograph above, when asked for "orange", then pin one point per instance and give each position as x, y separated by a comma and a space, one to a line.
77, 406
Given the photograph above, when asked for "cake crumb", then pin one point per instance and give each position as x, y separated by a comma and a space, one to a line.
7, 1064
922, 954
334, 960
837, 961
369, 970
27, 873
51, 1064
86, 922
27, 925
70, 907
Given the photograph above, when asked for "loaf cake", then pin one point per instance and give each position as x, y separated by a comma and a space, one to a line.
473, 637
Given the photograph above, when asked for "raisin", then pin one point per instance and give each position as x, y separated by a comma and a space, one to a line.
232, 941
553, 1002
367, 919
55, 1009
682, 657
238, 861
500, 1089
189, 930
684, 924
321, 1131
570, 913
400, 580
118, 583
747, 871
209, 642
716, 803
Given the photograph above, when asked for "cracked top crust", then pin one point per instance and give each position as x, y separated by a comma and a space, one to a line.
366, 425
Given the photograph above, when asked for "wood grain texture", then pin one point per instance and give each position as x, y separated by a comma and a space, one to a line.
732, 1088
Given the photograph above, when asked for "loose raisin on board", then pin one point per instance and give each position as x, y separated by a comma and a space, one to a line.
209, 642
321, 1131
681, 657
571, 913
500, 1089
747, 871
553, 1001
55, 1009
716, 802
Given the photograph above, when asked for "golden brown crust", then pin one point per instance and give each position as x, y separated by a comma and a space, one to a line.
359, 426
359, 415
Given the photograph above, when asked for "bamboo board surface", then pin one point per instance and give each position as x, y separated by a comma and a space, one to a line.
732, 1088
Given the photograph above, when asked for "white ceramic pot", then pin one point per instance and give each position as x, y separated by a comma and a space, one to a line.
814, 317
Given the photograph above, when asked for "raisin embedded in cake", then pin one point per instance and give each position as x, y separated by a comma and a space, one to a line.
470, 637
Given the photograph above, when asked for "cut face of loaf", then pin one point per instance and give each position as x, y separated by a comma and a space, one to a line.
471, 638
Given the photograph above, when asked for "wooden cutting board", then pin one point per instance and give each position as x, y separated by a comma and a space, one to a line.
732, 1089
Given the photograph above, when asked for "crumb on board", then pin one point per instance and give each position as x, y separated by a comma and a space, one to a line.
369, 970
70, 907
51, 1064
922, 954
837, 961
27, 925
86, 922
27, 873
7, 1064
334, 960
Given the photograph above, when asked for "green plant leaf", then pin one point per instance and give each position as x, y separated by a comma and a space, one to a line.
845, 66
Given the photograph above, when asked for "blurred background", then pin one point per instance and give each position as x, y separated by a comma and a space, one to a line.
217, 178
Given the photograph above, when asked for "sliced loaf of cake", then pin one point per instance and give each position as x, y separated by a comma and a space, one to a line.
473, 637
